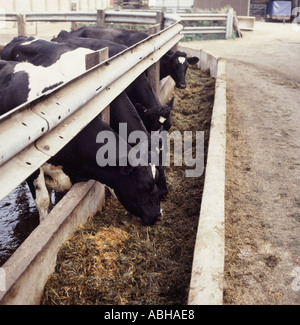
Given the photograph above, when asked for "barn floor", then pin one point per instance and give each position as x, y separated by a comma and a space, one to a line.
114, 259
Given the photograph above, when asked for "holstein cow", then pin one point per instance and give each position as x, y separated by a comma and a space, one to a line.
135, 187
117, 35
140, 92
123, 111
67, 59
22, 82
172, 64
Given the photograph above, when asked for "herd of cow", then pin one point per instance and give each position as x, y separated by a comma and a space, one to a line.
30, 67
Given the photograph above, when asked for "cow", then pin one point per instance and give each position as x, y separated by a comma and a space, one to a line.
172, 64
117, 35
175, 64
123, 111
59, 57
134, 186
66, 59
50, 178
140, 92
21, 82
90, 43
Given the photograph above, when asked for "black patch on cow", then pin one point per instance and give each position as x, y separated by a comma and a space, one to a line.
40, 52
51, 87
13, 87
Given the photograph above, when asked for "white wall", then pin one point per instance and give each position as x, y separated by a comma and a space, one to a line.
51, 5
174, 3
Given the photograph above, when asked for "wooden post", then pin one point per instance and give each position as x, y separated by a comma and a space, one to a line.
154, 70
101, 18
160, 19
21, 19
92, 60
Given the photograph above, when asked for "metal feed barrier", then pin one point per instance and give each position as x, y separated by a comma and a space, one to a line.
101, 17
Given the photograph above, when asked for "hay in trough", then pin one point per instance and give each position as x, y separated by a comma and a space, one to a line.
114, 258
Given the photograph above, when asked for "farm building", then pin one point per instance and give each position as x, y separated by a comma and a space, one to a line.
242, 7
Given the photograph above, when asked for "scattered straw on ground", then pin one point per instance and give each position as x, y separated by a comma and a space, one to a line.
114, 258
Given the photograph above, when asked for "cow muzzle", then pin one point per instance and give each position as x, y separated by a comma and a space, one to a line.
151, 221
181, 86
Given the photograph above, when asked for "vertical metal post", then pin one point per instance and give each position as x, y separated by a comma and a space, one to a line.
154, 70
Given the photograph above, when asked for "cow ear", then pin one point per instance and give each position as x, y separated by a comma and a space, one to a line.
170, 103
193, 60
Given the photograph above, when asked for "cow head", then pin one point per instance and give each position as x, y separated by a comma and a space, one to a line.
138, 192
155, 118
178, 63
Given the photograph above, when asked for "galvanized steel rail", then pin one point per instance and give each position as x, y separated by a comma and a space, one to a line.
226, 29
36, 131
128, 17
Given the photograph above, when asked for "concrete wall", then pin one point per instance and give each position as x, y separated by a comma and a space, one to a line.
206, 287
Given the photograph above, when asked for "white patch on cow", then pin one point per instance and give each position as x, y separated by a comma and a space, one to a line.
58, 180
162, 119
181, 59
30, 42
153, 169
71, 64
39, 78
42, 195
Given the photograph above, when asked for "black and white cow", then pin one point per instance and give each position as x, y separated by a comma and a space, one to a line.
123, 111
135, 187
117, 35
69, 60
21, 82
140, 92
174, 64
66, 59
89, 43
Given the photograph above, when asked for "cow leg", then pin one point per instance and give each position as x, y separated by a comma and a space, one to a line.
42, 198
57, 179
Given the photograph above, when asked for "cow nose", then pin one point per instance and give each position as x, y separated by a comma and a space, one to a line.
182, 86
152, 221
